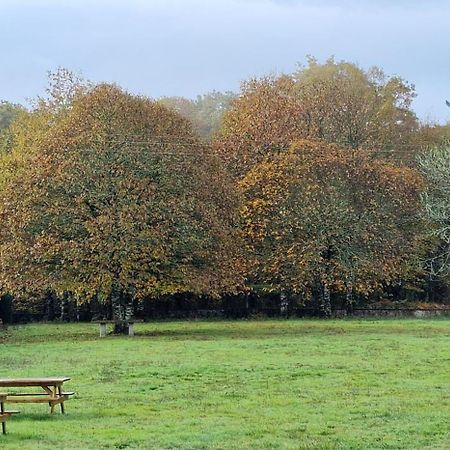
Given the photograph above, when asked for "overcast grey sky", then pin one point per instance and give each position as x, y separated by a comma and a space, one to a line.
188, 47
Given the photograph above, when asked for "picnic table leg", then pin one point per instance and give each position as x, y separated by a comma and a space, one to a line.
2, 410
52, 403
60, 395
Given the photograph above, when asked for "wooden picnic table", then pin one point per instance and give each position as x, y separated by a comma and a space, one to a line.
52, 394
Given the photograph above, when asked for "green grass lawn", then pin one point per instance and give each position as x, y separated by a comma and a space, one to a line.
303, 384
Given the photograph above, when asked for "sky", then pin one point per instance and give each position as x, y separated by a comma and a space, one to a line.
189, 47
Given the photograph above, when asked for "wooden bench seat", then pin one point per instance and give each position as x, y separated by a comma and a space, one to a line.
33, 400
39, 397
28, 394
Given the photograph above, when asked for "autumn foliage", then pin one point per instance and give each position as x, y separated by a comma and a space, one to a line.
336, 102
113, 196
265, 117
303, 190
319, 214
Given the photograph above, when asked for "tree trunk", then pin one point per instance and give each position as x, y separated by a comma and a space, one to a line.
284, 304
122, 309
349, 300
120, 327
325, 303
50, 307
63, 310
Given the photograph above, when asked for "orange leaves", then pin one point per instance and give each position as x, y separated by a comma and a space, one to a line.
336, 102
320, 212
118, 190
264, 118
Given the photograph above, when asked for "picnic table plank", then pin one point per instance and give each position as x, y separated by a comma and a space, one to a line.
23, 382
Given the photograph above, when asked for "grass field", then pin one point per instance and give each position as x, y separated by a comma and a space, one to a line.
353, 384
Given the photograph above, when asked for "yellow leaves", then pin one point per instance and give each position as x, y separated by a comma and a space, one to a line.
104, 200
319, 210
336, 102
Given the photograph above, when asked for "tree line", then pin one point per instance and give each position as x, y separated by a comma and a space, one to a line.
321, 185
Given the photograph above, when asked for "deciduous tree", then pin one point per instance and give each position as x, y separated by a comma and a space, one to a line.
8, 112
435, 166
347, 105
266, 118
319, 215
337, 102
116, 199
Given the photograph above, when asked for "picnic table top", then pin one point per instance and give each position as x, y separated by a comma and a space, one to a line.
20, 382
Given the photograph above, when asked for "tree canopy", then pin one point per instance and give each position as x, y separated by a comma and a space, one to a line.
434, 163
113, 195
356, 108
337, 102
298, 183
320, 214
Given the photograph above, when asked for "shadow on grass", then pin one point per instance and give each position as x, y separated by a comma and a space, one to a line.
239, 333
45, 417
241, 329
196, 330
